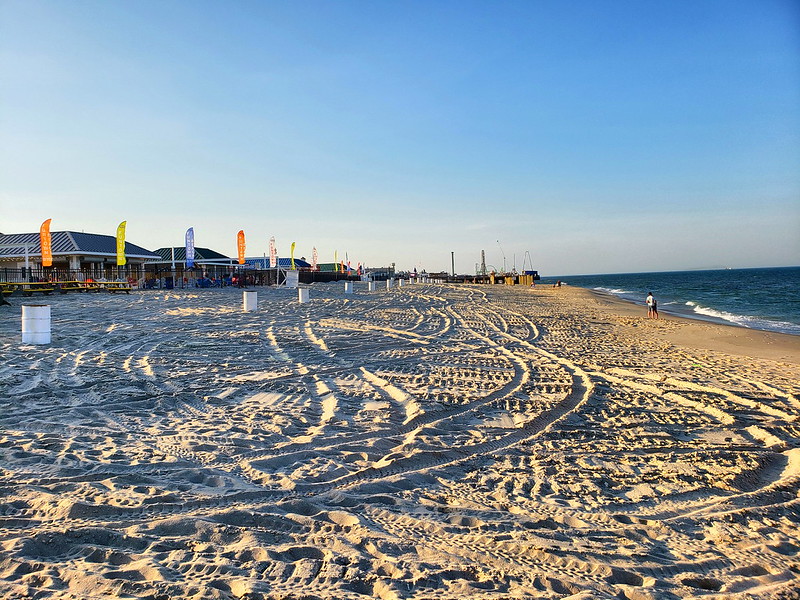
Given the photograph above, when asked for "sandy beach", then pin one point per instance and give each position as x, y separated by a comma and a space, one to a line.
426, 442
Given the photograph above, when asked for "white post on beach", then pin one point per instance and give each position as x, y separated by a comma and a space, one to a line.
303, 295
348, 287
249, 300
35, 323
371, 286
399, 283
292, 279
388, 284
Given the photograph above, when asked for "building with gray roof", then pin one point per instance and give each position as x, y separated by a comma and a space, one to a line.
72, 251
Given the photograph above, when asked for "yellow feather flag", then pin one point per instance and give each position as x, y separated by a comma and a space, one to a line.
44, 242
292, 255
121, 243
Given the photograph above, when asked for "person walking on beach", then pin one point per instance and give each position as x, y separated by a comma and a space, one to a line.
652, 306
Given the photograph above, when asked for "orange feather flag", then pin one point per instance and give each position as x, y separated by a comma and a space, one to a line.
240, 245
44, 242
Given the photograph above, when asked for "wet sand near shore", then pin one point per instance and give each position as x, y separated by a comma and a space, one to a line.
431, 441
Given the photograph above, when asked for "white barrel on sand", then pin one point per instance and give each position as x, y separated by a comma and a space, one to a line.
250, 300
348, 287
399, 283
371, 286
303, 295
292, 279
388, 284
35, 323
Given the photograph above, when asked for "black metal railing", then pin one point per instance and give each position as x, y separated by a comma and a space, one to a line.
149, 278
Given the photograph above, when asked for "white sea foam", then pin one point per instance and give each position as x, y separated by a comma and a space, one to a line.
615, 291
746, 321
721, 314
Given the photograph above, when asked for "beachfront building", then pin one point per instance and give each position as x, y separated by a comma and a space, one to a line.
380, 273
174, 258
169, 268
284, 264
278, 276
76, 256
205, 259
212, 269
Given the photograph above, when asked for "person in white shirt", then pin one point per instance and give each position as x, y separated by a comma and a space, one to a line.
652, 306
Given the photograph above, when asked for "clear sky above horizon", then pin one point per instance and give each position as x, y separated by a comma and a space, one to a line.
595, 136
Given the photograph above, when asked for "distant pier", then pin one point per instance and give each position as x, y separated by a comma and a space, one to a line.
492, 278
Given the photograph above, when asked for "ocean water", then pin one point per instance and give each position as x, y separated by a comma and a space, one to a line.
767, 299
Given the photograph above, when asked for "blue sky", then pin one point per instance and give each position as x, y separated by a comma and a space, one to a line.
595, 136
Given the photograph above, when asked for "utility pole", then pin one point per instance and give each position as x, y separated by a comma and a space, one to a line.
453, 262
